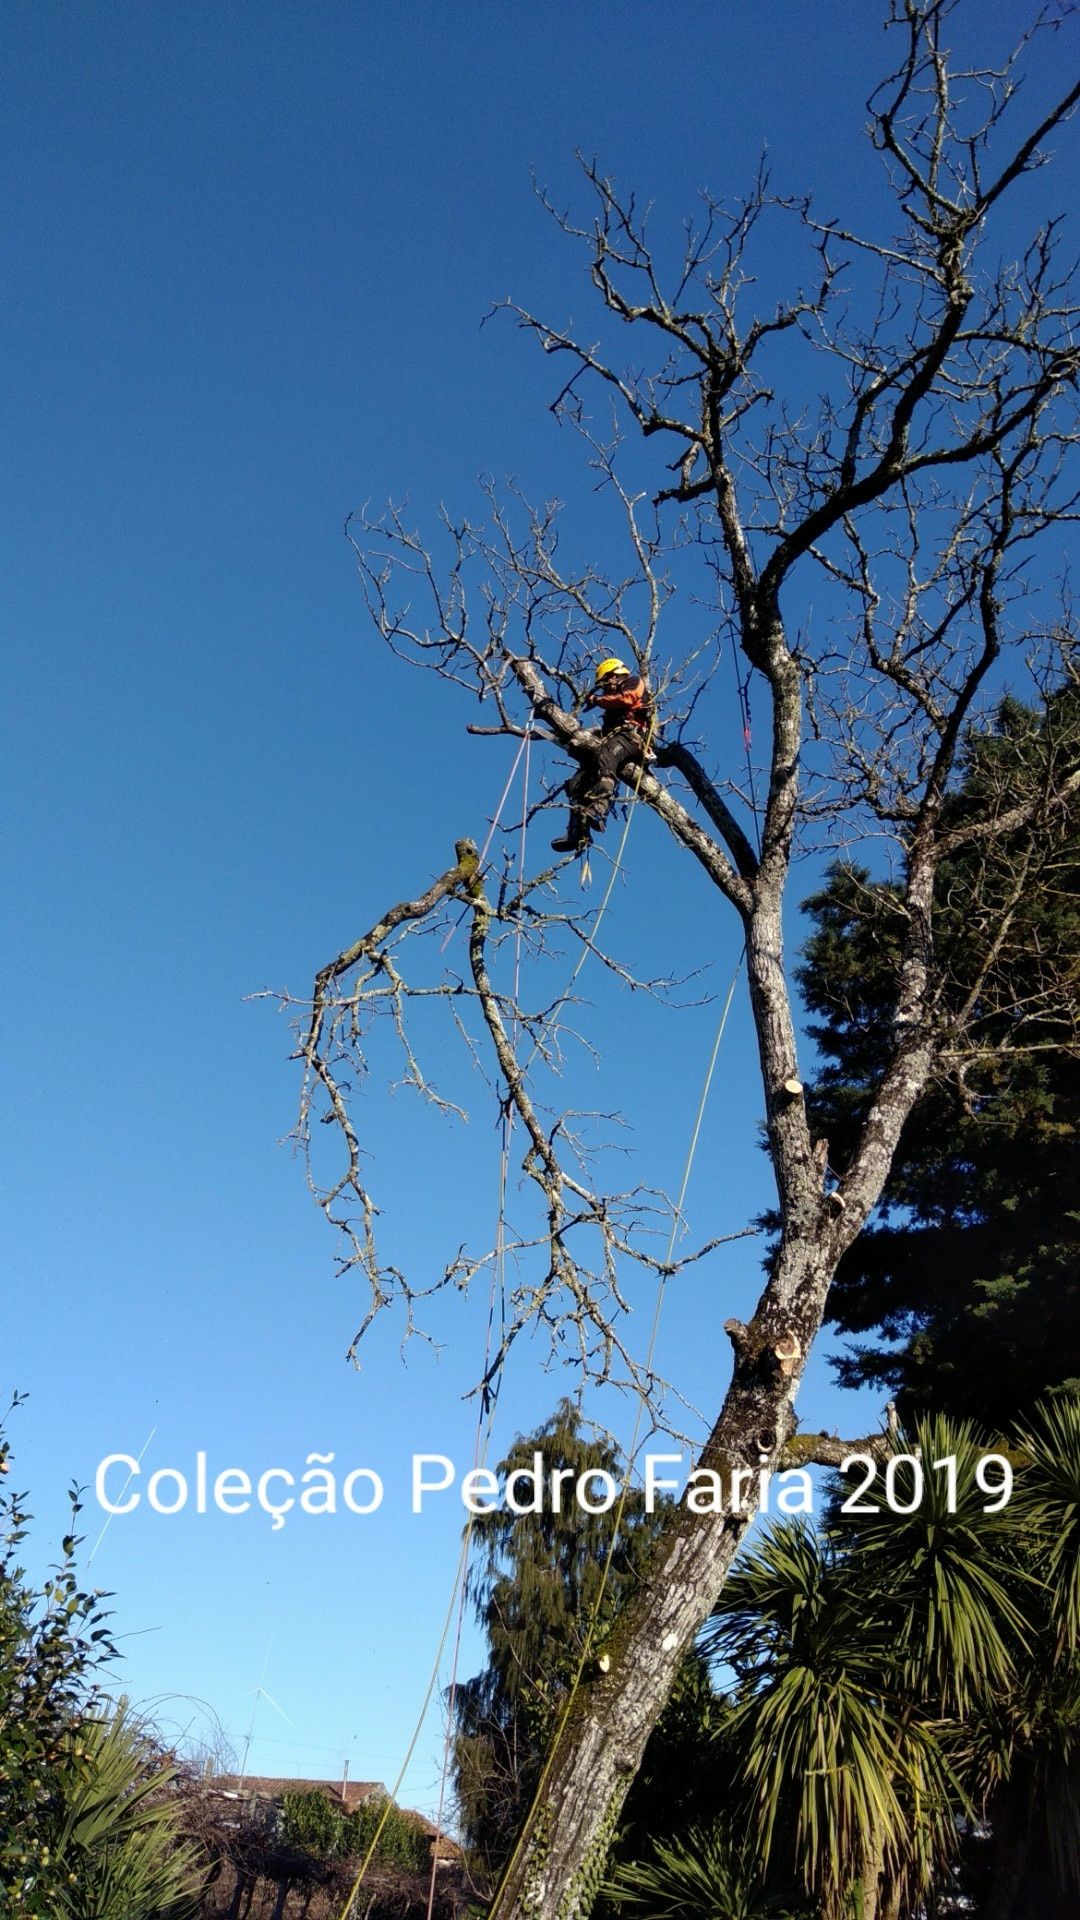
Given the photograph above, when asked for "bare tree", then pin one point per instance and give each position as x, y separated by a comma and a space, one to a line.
921, 450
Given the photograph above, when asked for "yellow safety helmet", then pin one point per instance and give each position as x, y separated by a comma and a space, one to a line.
610, 666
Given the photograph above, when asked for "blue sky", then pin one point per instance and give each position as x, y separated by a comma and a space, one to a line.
246, 255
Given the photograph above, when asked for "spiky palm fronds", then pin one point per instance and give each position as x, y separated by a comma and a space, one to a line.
1047, 1506
944, 1576
118, 1839
707, 1876
834, 1758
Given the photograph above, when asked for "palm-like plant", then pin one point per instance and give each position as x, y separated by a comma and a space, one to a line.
706, 1876
117, 1838
1022, 1753
833, 1760
892, 1673
1023, 1746
906, 1666
1047, 1507
943, 1577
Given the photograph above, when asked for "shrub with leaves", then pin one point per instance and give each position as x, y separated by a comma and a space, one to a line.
401, 1843
313, 1826
52, 1641
310, 1824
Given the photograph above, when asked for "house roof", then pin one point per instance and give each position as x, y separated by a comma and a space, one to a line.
260, 1786
448, 1848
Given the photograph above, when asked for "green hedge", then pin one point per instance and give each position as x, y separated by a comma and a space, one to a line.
311, 1823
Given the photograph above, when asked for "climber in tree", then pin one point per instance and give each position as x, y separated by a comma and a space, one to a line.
625, 735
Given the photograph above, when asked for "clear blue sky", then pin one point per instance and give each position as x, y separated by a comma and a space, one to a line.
246, 253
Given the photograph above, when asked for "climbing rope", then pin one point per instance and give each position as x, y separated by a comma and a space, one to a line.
484, 1425
616, 868
523, 748
500, 1287
458, 1590
620, 1507
677, 1217
488, 1401
461, 1576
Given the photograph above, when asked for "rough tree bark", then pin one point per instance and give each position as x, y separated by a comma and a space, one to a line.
559, 1861
947, 403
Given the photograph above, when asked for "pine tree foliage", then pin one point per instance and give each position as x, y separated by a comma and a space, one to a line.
969, 1277
539, 1580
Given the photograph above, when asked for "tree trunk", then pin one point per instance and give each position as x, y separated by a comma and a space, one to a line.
1007, 1889
871, 1906
559, 1859
889, 1901
1026, 1881
557, 1865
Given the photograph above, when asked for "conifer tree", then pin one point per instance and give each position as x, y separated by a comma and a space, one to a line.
969, 1275
536, 1583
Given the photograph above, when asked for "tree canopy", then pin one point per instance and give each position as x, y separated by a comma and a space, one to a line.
969, 1274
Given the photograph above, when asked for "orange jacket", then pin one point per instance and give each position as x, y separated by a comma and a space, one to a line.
626, 700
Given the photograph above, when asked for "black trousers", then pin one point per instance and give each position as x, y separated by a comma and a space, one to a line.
592, 789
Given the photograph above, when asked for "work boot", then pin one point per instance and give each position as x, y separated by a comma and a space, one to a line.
571, 843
